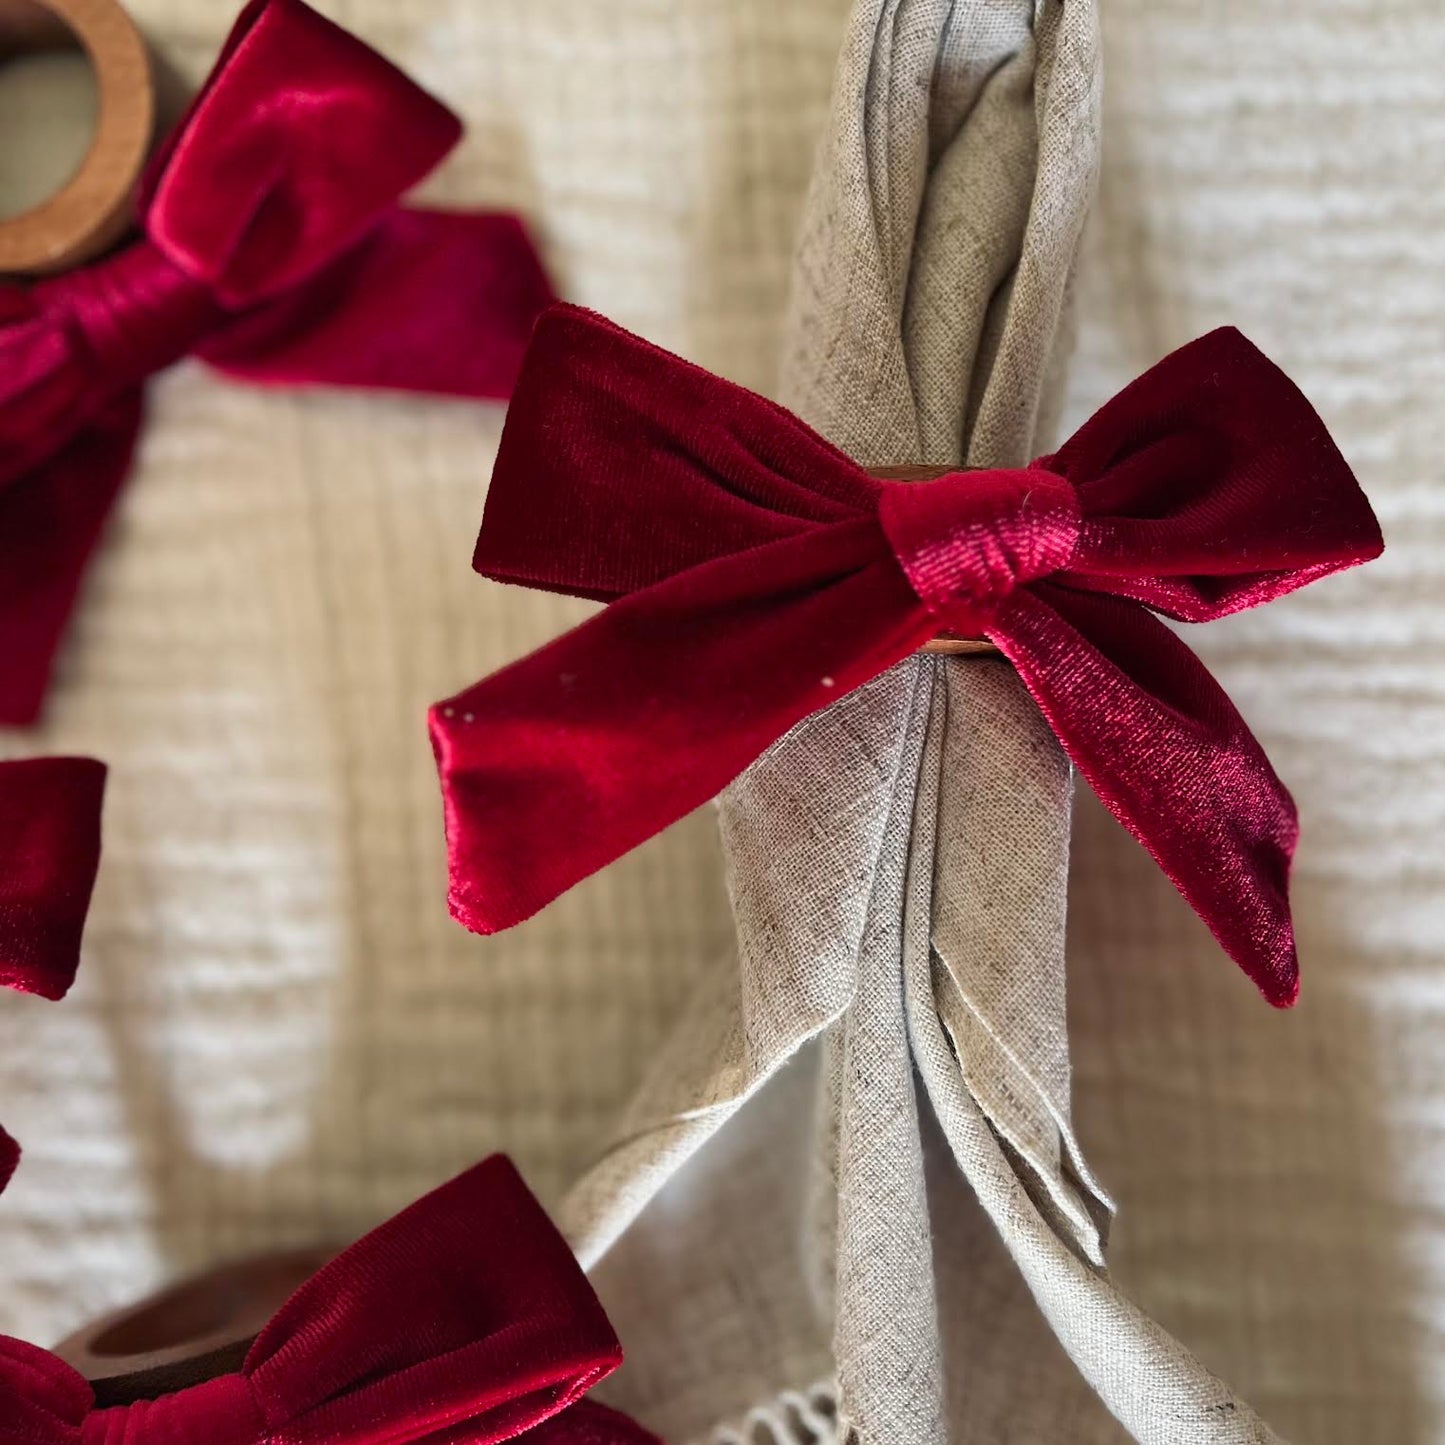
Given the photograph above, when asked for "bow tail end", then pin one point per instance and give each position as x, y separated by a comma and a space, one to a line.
9, 1159
1167, 753
51, 521
478, 830
49, 854
50, 811
559, 764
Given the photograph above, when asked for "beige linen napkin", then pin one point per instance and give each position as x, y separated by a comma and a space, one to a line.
785, 1245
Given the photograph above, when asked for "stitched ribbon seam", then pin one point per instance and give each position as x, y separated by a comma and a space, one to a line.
755, 574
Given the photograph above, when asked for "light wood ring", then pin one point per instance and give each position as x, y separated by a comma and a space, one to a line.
945, 643
92, 209
188, 1333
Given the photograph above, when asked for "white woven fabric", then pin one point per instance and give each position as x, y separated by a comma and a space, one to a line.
277, 1033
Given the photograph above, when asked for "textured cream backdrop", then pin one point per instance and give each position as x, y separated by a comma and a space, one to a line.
279, 1033
1281, 1178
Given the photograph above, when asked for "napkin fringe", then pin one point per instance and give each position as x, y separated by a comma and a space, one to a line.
792, 1417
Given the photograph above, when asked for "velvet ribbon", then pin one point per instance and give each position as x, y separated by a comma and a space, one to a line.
462, 1321
273, 248
756, 574
49, 854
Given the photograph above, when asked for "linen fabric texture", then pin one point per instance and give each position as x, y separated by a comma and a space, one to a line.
272, 247
758, 574
463, 1319
897, 867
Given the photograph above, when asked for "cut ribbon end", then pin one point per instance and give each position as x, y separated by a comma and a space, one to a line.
49, 855
1286, 993
469, 837
473, 919
1274, 969
9, 1159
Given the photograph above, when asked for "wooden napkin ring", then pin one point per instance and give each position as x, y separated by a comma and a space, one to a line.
188, 1333
945, 642
93, 209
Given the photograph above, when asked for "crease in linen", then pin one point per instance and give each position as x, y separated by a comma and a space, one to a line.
897, 867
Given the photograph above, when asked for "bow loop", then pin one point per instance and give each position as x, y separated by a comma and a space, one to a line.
1210, 484
300, 141
420, 1331
42, 1400
967, 539
727, 469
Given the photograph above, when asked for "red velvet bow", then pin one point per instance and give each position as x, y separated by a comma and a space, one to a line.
756, 575
49, 854
274, 249
463, 1320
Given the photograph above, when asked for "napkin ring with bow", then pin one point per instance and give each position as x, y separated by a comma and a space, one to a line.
273, 246
466, 1318
755, 574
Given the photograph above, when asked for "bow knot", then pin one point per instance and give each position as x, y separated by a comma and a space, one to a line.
131, 314
300, 140
967, 539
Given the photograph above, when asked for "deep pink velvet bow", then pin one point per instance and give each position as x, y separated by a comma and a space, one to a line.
462, 1321
756, 575
49, 854
274, 249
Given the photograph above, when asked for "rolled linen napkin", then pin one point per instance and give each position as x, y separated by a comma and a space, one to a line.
897, 866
